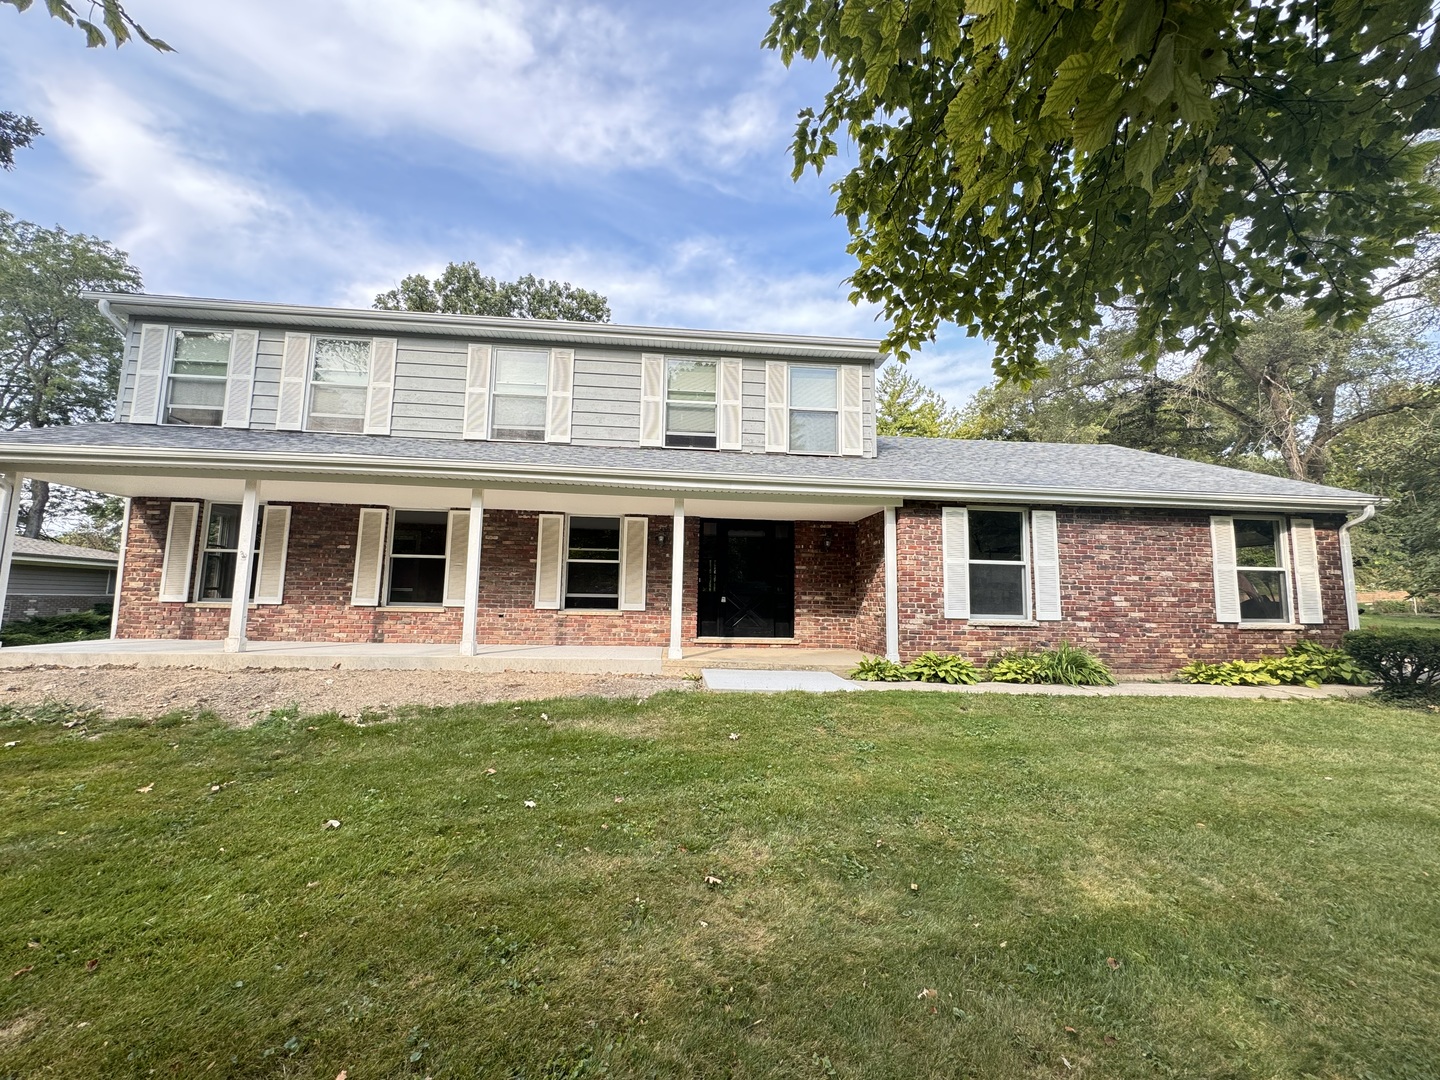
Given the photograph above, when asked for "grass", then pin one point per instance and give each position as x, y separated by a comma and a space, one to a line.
1372, 621
53, 629
1089, 887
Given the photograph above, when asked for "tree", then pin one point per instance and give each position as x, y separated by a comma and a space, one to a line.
460, 289
906, 406
16, 133
1023, 165
59, 357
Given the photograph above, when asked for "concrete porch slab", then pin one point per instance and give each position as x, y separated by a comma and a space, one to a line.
572, 659
697, 658
738, 680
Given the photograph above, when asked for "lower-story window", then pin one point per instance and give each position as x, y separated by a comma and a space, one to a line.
1260, 570
999, 577
417, 557
592, 563
216, 579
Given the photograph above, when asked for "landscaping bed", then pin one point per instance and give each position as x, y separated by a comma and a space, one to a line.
852, 885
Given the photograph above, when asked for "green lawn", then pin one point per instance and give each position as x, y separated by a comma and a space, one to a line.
1089, 887
1406, 622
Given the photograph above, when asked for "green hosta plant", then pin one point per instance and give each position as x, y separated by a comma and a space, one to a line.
878, 669
1016, 667
1065, 664
938, 667
1230, 673
1306, 663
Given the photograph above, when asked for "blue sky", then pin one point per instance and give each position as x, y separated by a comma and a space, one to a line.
316, 152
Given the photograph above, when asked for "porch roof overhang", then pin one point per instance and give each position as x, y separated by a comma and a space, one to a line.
139, 459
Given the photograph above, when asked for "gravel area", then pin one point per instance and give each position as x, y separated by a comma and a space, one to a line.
245, 696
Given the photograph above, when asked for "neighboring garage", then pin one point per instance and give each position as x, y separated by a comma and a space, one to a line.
47, 578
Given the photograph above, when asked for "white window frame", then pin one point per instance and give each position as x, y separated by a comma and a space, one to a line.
496, 395
791, 408
392, 516
203, 548
170, 376
619, 563
1026, 563
1287, 574
665, 404
364, 387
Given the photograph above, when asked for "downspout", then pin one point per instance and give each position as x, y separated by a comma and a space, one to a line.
1347, 565
113, 319
124, 328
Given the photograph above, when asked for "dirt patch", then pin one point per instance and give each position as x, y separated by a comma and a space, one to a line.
245, 696
16, 1029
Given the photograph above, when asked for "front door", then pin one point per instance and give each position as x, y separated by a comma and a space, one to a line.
747, 579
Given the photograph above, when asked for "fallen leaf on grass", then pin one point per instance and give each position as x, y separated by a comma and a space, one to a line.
1071, 1031
711, 879
734, 736
1110, 1040
23, 971
927, 993
32, 944
619, 798
1112, 963
489, 772
145, 790
529, 804
914, 887
311, 884
333, 823
8, 745
341, 1075
91, 965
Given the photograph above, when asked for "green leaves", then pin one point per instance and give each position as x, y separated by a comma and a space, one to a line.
1022, 164
461, 289
113, 17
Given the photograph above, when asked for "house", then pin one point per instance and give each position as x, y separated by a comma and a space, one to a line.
47, 578
316, 474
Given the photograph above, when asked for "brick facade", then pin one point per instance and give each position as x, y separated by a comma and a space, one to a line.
1136, 588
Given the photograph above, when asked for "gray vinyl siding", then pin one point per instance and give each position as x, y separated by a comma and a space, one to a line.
605, 408
30, 579
429, 399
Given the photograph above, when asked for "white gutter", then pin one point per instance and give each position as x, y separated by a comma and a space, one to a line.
129, 461
1347, 565
112, 319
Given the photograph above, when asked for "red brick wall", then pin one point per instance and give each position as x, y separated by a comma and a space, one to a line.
1136, 587
870, 585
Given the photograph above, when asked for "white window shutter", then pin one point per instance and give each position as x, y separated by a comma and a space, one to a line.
652, 400
149, 374
852, 429
294, 366
562, 390
240, 378
1227, 586
1307, 572
477, 392
369, 558
729, 404
1045, 542
380, 400
634, 539
457, 549
179, 552
777, 406
274, 548
955, 561
549, 557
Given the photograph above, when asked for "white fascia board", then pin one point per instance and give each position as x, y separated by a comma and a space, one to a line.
478, 474
489, 328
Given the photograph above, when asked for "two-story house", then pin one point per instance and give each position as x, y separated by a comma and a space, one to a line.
327, 475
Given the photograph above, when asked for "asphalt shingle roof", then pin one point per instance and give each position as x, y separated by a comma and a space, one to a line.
969, 466
51, 549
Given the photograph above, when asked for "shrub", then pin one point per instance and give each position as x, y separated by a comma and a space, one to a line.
878, 669
1407, 662
1064, 664
53, 629
1306, 663
937, 667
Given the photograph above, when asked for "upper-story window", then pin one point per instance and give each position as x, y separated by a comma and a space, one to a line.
195, 390
522, 381
1260, 570
999, 577
339, 377
814, 409
690, 403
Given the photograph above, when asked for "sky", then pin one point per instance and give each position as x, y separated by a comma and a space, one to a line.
316, 151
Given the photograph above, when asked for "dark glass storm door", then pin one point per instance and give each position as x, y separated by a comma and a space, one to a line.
747, 579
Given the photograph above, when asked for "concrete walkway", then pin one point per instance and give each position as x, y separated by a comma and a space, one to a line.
769, 682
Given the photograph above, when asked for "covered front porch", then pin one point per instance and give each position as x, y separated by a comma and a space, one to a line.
311, 574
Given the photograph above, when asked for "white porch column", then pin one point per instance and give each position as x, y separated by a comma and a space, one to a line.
10, 517
120, 572
677, 578
472, 571
892, 589
244, 567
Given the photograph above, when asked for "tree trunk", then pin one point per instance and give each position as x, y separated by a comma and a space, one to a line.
39, 499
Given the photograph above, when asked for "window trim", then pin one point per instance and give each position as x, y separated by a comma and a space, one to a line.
496, 395
203, 547
791, 409
665, 403
171, 337
391, 516
1026, 563
1283, 565
315, 339
619, 562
